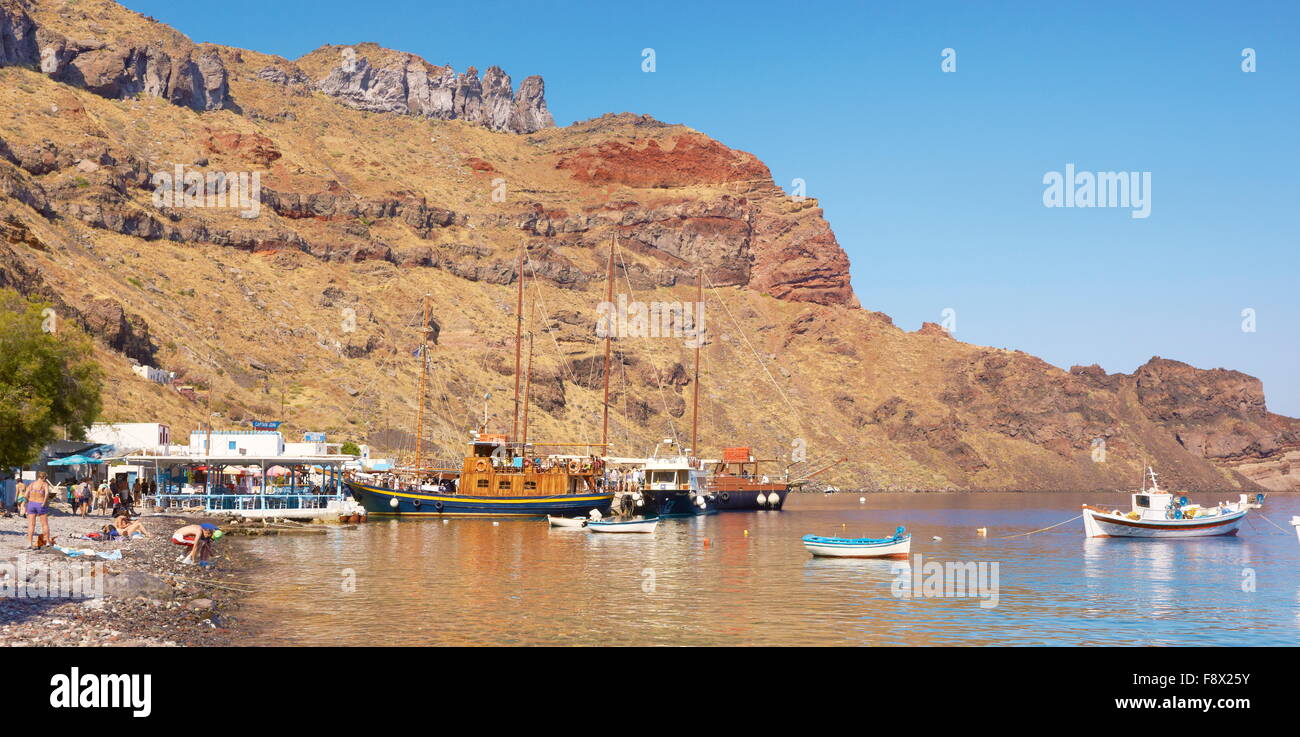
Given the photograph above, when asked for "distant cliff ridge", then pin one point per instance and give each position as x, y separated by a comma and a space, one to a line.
397, 82
139, 56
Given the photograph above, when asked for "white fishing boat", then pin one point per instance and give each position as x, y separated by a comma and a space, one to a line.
1295, 521
897, 546
1157, 513
636, 524
567, 523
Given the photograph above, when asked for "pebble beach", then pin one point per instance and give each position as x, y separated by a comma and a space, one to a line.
144, 598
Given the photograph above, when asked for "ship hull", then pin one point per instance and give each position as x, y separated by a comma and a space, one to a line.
379, 501
667, 503
746, 500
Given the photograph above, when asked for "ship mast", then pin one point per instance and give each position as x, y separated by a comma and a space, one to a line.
609, 334
528, 376
519, 328
699, 338
424, 369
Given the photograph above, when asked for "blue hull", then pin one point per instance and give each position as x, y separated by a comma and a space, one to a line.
378, 501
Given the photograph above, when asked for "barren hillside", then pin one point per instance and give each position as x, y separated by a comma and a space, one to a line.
385, 178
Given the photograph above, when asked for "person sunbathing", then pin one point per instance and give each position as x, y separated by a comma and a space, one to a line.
126, 527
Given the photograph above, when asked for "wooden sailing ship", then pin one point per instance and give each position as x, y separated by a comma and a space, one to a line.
498, 477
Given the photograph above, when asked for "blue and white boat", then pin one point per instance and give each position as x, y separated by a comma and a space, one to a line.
897, 546
1159, 514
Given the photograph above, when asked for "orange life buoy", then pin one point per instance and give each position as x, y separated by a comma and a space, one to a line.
480, 465
574, 467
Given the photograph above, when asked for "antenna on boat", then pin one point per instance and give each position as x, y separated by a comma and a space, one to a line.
519, 327
699, 338
609, 334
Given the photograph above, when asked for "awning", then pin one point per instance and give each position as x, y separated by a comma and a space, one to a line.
75, 460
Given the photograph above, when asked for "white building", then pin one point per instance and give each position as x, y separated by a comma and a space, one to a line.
236, 443
126, 437
156, 375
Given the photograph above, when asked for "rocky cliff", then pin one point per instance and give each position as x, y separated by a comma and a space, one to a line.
383, 178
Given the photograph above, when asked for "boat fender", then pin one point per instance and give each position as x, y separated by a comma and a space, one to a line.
761, 499
724, 496
416, 504
392, 502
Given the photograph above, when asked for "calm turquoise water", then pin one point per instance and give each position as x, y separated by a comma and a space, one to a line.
521, 582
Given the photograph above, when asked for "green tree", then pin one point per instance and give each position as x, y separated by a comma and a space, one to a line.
48, 379
350, 449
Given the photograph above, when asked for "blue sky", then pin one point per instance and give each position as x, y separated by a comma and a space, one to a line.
932, 181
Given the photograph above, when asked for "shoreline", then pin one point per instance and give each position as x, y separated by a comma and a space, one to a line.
143, 599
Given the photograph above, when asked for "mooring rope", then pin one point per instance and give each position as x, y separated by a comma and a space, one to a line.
1271, 522
1058, 524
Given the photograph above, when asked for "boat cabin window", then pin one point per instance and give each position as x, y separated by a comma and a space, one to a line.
503, 484
483, 483
1142, 500
530, 484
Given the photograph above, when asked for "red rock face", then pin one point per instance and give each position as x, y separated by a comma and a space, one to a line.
688, 160
251, 147
772, 243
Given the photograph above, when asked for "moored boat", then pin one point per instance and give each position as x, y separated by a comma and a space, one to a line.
502, 480
740, 485
567, 523
636, 524
897, 546
674, 487
1160, 514
1295, 521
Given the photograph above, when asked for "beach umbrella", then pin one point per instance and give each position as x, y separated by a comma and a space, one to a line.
277, 471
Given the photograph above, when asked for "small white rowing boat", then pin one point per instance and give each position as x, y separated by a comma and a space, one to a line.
897, 546
568, 523
638, 524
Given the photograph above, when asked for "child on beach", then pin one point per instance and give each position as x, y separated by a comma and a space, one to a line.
199, 539
21, 500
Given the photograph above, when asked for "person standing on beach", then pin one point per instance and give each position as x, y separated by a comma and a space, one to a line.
102, 496
20, 498
38, 498
83, 496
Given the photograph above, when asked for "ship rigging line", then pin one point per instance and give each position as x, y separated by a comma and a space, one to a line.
672, 426
740, 329
546, 313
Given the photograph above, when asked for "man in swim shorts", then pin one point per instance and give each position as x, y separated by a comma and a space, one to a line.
38, 498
